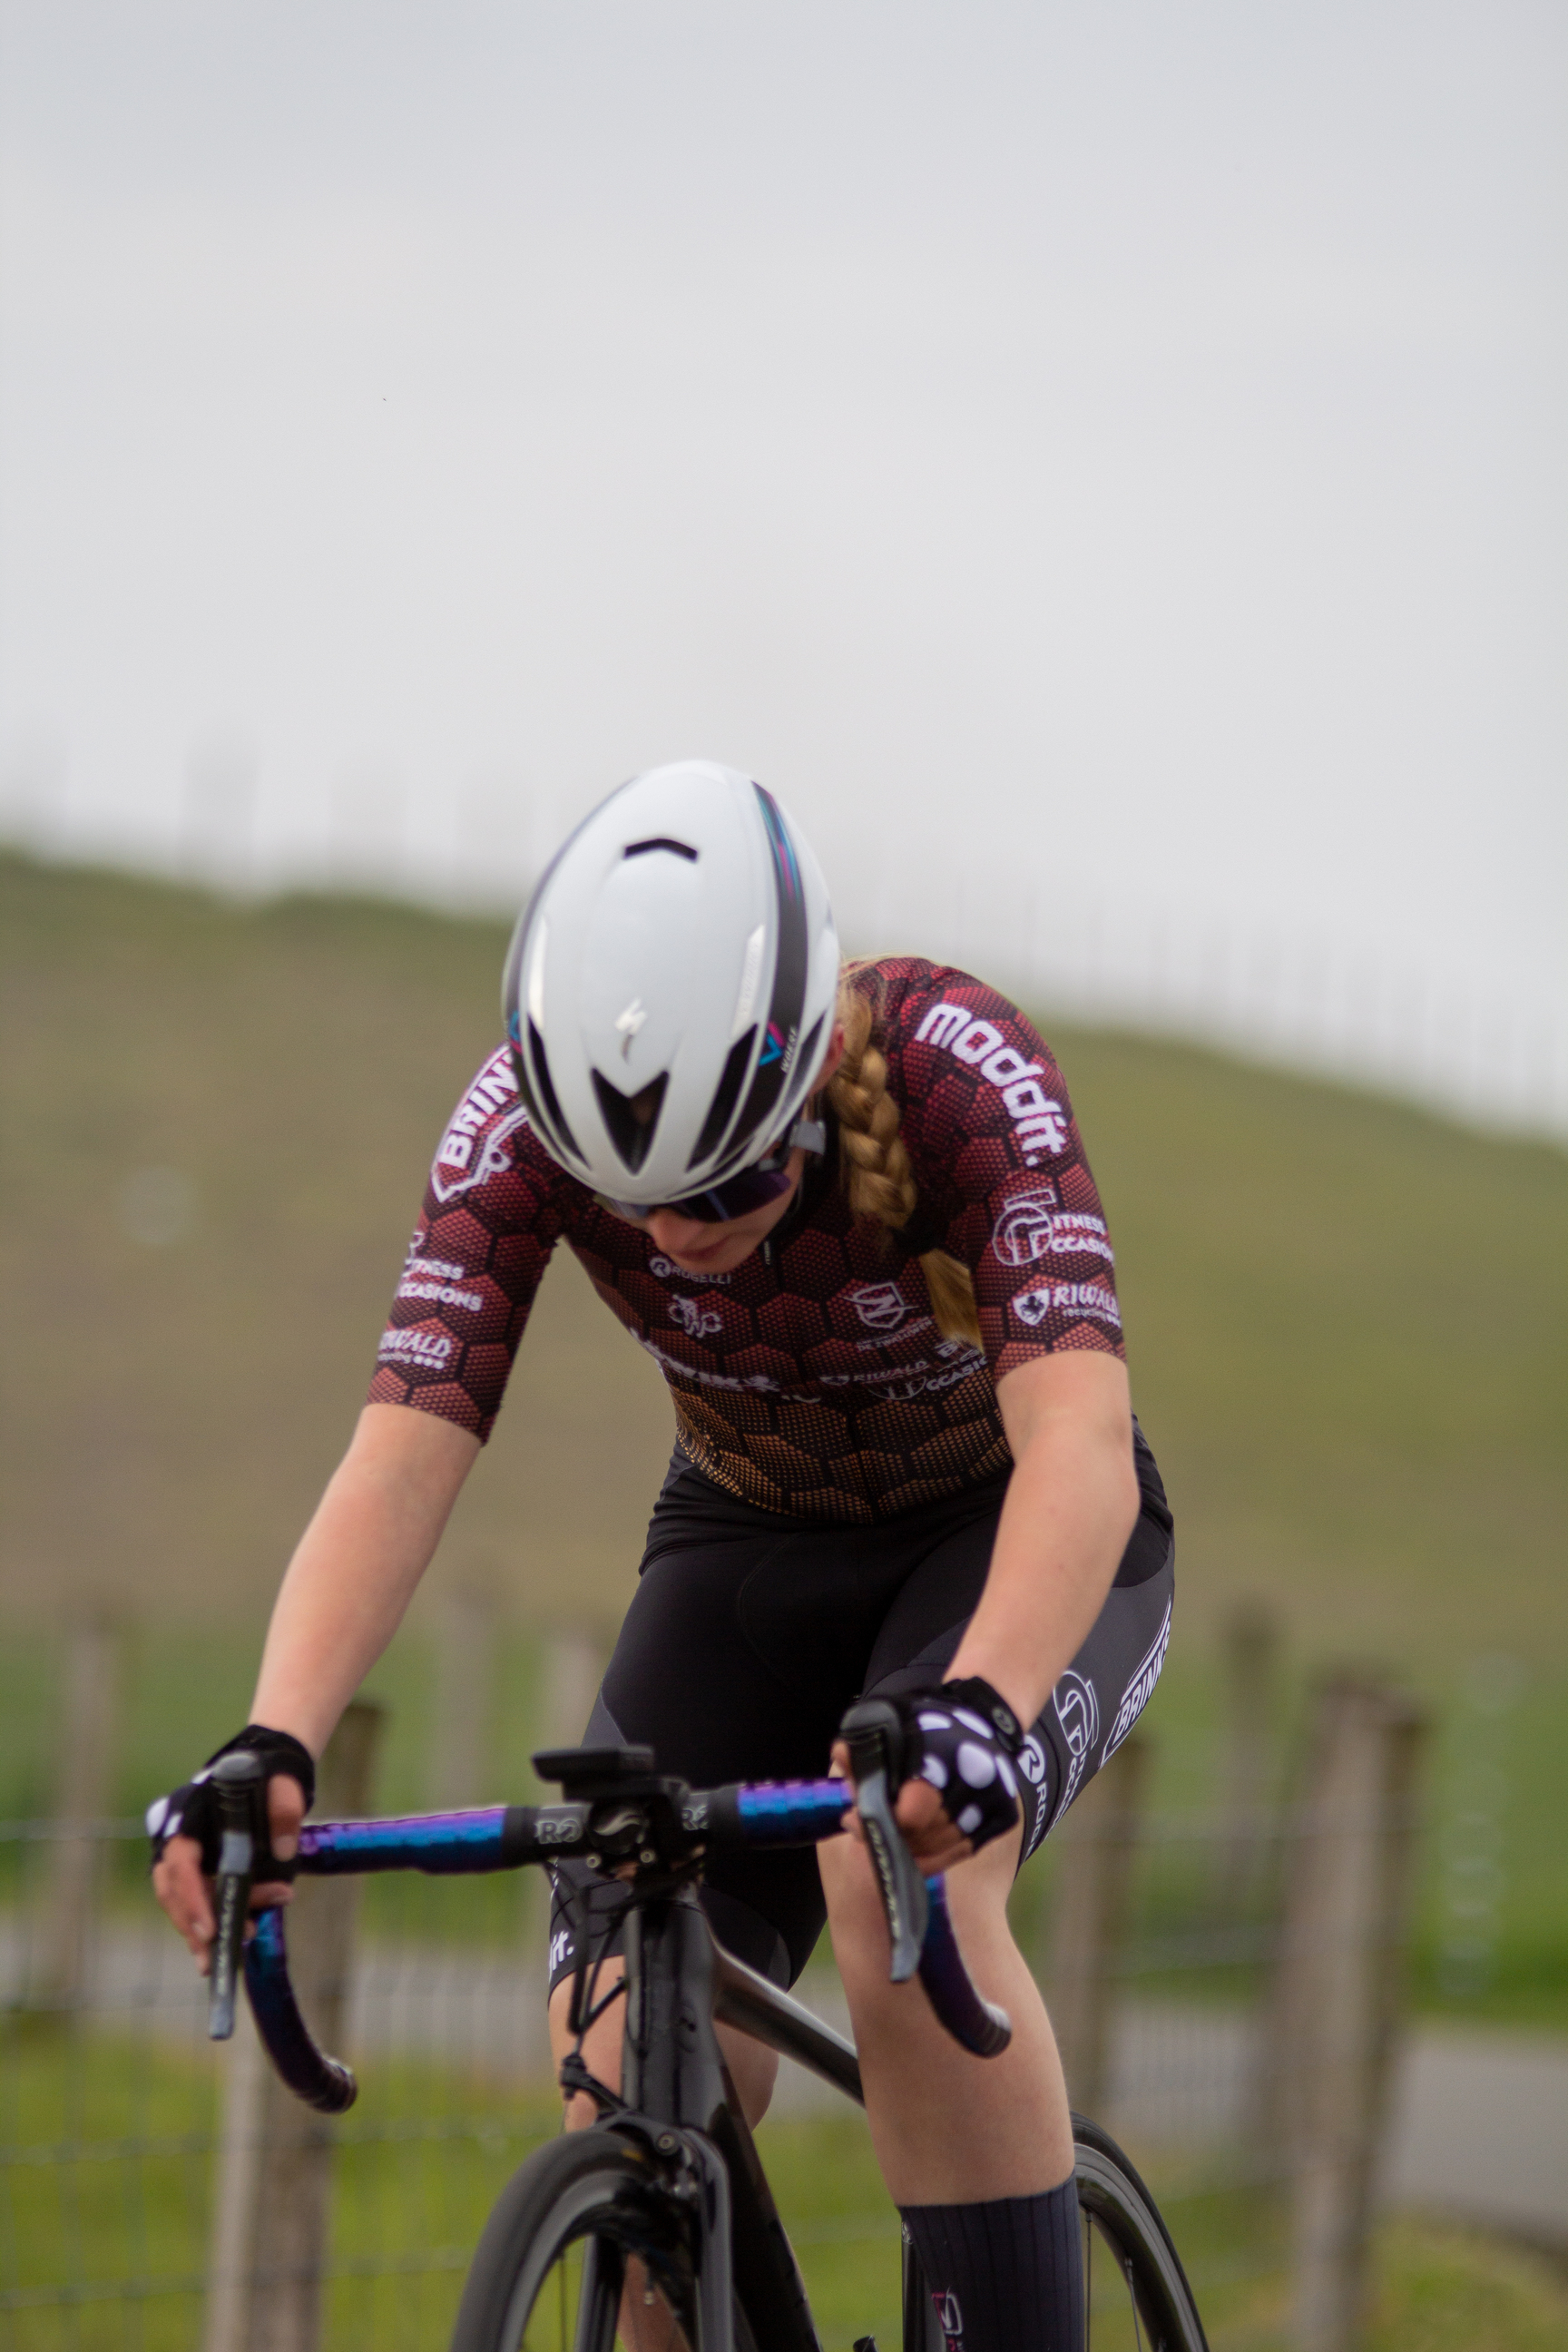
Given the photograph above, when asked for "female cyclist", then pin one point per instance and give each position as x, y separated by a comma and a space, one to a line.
847, 1212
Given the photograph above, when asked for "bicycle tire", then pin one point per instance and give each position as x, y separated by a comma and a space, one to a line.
591, 2190
1115, 2203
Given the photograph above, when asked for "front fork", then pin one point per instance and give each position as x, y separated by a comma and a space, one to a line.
675, 2082
672, 2079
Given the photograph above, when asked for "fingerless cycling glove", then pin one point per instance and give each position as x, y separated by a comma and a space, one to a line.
192, 1809
962, 1738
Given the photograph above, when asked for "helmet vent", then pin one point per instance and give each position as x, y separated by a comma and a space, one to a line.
545, 1101
660, 841
723, 1107
631, 1119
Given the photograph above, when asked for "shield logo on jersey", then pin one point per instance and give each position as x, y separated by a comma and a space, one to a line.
881, 1306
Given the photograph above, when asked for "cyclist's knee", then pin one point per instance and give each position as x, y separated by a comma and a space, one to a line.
977, 1893
752, 2070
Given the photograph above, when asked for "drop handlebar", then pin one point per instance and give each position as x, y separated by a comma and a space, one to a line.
619, 1815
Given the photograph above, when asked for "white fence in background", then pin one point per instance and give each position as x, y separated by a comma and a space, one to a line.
1459, 1034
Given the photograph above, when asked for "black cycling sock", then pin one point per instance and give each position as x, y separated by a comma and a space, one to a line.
1007, 2276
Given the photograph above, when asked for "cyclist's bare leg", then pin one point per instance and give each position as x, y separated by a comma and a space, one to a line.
752, 2070
950, 2129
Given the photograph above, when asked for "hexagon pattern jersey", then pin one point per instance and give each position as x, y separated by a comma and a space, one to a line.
813, 1380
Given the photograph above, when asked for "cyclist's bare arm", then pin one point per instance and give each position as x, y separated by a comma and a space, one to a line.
341, 1601
1072, 1502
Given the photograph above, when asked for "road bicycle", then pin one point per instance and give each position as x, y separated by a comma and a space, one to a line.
663, 2201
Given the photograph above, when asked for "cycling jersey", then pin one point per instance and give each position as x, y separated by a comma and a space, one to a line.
812, 1381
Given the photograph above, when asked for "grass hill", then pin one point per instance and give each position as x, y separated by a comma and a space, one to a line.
1347, 1319
1347, 1324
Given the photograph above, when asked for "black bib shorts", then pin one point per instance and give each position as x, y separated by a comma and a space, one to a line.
750, 1634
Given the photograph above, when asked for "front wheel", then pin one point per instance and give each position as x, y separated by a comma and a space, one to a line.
584, 2221
1135, 2289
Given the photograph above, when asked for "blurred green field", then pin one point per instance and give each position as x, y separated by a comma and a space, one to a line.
1348, 1320
425, 2153
1347, 1325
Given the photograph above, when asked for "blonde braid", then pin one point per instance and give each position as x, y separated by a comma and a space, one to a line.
876, 1168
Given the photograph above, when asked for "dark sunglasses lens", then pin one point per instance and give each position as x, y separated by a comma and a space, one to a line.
754, 1188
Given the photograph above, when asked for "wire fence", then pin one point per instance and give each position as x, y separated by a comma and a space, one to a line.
1476, 1030
1180, 1956
112, 2110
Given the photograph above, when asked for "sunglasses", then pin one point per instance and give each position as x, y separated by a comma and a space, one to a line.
738, 1195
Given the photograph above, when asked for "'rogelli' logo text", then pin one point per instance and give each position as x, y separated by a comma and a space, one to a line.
1038, 1120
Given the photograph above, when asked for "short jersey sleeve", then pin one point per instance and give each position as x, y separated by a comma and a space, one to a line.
1000, 1164
491, 1219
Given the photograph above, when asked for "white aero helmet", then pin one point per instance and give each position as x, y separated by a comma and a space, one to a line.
670, 988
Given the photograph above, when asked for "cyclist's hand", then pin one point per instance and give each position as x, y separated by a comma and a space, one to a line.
961, 1787
184, 1890
934, 1841
185, 1830
186, 1895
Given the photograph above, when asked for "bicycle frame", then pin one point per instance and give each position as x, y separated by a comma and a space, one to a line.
676, 2101
679, 2099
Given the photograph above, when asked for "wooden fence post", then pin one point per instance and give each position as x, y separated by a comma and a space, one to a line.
466, 1629
90, 1723
1338, 1990
275, 2156
572, 1668
1251, 1642
1098, 1840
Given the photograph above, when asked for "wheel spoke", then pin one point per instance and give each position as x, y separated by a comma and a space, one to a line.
598, 2297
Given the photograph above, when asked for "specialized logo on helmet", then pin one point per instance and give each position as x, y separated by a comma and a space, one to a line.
628, 1022
1076, 1707
881, 1306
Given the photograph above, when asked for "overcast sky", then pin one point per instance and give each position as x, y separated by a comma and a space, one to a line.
1104, 468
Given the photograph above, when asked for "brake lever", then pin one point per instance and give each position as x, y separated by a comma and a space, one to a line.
238, 1779
874, 1732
